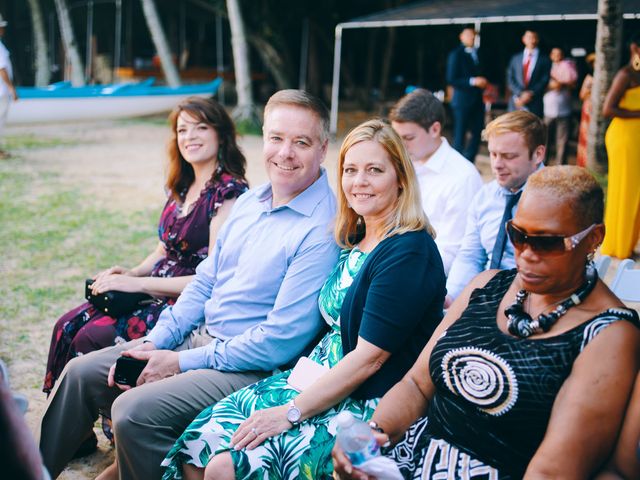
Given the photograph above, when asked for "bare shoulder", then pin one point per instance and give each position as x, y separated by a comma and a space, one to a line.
615, 337
622, 78
483, 278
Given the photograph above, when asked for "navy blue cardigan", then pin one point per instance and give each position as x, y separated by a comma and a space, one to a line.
395, 302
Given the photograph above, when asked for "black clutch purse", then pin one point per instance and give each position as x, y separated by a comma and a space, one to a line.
115, 303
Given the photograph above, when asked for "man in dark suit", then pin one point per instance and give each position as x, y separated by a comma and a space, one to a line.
464, 75
528, 76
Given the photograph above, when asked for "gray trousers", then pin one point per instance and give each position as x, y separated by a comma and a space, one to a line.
147, 419
560, 127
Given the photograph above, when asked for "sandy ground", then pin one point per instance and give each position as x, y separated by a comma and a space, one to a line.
122, 165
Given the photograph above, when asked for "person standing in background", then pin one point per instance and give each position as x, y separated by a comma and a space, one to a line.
464, 75
585, 116
622, 103
528, 76
7, 90
557, 102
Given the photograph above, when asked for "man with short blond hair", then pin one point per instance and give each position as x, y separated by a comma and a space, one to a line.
251, 308
517, 145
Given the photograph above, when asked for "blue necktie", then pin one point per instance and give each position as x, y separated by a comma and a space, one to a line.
472, 51
501, 239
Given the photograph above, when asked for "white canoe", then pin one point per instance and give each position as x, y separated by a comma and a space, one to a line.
106, 103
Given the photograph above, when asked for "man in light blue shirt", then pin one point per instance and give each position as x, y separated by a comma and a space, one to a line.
251, 308
517, 145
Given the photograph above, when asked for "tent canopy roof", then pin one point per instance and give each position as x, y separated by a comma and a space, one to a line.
487, 11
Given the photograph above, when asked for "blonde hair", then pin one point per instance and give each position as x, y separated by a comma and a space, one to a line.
573, 185
408, 215
520, 121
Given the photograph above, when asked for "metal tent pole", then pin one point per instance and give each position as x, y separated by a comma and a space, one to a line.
118, 38
89, 46
335, 87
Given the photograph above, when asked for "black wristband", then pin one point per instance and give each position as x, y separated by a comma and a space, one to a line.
376, 427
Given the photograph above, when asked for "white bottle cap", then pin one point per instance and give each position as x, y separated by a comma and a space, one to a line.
344, 419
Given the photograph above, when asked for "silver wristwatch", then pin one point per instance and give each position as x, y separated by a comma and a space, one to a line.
293, 414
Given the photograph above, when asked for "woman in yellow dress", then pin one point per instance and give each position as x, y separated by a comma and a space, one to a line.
622, 216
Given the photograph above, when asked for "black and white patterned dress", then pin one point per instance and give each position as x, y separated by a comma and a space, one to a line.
494, 392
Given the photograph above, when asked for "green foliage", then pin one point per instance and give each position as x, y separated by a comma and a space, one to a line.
248, 127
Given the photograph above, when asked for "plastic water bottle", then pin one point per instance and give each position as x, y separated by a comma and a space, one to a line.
356, 439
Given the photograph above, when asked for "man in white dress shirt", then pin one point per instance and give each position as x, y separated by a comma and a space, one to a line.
7, 90
448, 181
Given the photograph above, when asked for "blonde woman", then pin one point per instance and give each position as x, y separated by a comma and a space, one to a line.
382, 302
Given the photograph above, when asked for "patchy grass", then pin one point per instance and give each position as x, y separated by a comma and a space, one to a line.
159, 119
22, 142
53, 236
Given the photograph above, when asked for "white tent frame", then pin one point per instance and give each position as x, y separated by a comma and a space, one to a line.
477, 21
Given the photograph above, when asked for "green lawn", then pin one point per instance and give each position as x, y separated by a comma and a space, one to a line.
53, 236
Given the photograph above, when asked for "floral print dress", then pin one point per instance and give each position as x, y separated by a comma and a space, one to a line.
304, 451
186, 241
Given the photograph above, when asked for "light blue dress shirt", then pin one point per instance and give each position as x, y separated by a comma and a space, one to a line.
257, 291
483, 223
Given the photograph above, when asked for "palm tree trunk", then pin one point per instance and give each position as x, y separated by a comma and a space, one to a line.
273, 60
245, 110
160, 42
41, 60
608, 46
70, 44
386, 63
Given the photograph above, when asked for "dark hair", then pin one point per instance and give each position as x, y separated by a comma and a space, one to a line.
421, 107
635, 38
180, 173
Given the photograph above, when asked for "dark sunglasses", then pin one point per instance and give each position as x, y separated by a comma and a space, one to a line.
545, 244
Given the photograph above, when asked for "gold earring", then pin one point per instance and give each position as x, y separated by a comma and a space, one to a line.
635, 62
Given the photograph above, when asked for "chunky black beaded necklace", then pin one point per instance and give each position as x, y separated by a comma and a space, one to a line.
521, 324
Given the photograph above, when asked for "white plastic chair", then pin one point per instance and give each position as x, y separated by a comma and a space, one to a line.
626, 284
602, 265
21, 400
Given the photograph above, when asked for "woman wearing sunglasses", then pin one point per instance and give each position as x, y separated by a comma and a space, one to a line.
530, 372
